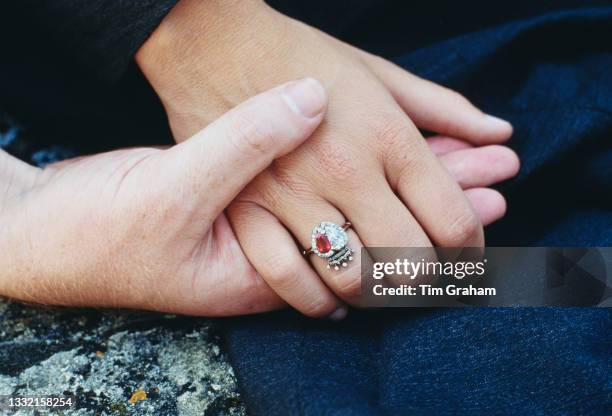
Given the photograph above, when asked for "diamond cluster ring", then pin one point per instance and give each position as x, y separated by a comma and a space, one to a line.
329, 241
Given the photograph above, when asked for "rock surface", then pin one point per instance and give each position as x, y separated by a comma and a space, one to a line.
116, 363
113, 363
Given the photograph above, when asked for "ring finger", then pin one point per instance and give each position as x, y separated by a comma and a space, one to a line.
273, 253
300, 218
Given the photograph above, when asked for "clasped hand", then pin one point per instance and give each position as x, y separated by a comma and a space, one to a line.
215, 224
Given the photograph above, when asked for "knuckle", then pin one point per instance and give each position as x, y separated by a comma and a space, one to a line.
408, 169
265, 191
394, 132
464, 230
281, 273
292, 181
241, 212
248, 135
338, 164
348, 285
401, 147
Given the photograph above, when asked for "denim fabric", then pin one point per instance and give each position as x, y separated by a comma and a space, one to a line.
551, 76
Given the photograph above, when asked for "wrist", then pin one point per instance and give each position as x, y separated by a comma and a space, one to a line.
16, 180
193, 35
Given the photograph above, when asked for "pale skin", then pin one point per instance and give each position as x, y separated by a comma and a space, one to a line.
144, 228
367, 163
177, 230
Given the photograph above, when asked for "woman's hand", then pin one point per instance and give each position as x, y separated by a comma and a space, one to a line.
367, 164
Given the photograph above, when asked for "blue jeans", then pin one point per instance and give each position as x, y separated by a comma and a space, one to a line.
551, 76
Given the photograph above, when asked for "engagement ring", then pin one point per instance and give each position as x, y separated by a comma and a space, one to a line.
329, 241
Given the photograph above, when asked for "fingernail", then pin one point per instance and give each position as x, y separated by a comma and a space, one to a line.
305, 97
338, 314
497, 122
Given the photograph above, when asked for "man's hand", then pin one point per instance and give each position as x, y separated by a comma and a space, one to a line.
143, 228
367, 163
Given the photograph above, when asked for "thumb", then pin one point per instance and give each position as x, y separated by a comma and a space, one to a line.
219, 161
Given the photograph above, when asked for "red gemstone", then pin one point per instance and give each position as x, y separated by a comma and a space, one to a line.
323, 244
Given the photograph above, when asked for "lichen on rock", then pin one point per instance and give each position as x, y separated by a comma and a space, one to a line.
117, 363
